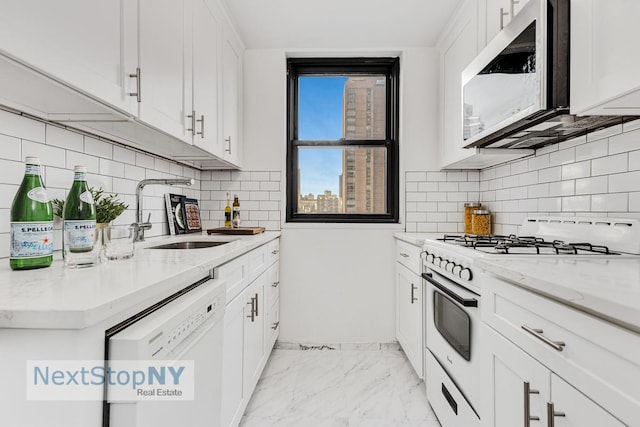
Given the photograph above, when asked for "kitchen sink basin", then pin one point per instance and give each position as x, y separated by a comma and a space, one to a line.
188, 245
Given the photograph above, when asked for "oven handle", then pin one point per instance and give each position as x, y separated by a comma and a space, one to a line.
465, 302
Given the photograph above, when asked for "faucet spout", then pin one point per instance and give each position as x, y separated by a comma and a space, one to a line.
140, 226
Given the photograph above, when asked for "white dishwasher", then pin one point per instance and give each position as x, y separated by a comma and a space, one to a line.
184, 329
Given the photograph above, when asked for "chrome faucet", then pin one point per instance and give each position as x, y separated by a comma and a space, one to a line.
139, 225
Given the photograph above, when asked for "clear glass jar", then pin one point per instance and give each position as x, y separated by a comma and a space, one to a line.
481, 222
469, 207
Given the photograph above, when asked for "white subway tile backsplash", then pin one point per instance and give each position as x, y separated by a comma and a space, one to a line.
12, 172
426, 227
221, 175
98, 148
604, 133
275, 195
447, 186
63, 138
529, 178
447, 206
624, 142
593, 185
617, 202
436, 176
416, 176
634, 160
162, 165
134, 172
21, 127
473, 176
520, 166
249, 186
49, 156
576, 170
576, 204
240, 175
145, 161
411, 186
433, 197
58, 177
7, 193
629, 181
259, 195
210, 185
503, 194
457, 196
634, 202
10, 148
502, 171
538, 162
78, 159
124, 155
427, 186
275, 176
416, 216
562, 188
592, 150
550, 204
469, 186
259, 176
610, 164
456, 176
562, 157
268, 205
230, 185
538, 191
550, 174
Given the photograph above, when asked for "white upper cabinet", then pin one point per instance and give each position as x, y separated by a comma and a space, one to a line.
202, 45
498, 13
232, 52
162, 74
86, 45
605, 66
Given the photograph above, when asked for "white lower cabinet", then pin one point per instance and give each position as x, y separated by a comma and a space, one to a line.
523, 389
409, 304
248, 334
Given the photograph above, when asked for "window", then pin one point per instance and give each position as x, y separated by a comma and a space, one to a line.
342, 132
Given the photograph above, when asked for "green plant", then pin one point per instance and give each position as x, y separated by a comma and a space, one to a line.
108, 207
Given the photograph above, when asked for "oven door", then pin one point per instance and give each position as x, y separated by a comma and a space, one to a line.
452, 326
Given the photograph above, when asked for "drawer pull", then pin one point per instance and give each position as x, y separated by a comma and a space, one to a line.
274, 252
252, 316
275, 284
551, 414
527, 405
275, 325
413, 289
402, 254
450, 400
557, 345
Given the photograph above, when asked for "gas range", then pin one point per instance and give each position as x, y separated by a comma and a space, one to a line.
453, 255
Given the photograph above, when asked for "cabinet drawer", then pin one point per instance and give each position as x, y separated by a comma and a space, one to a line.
273, 285
273, 251
273, 324
596, 357
257, 262
236, 274
409, 256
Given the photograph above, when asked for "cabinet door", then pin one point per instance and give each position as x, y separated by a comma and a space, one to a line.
89, 45
508, 371
578, 410
233, 391
254, 334
162, 79
456, 56
231, 95
207, 31
605, 74
409, 316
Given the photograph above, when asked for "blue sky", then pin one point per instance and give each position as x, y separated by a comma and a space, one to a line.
320, 118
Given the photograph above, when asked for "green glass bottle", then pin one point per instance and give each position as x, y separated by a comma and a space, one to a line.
31, 222
79, 223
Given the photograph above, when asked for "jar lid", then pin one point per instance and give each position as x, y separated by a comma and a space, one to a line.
482, 212
472, 205
32, 160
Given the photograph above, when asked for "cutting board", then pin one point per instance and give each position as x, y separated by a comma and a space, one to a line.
240, 230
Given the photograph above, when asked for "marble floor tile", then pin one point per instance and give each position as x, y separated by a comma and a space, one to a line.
339, 388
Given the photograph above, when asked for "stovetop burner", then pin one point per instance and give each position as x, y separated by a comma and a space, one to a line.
513, 244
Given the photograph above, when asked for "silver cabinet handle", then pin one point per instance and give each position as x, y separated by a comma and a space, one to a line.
527, 405
275, 284
557, 345
192, 116
551, 414
502, 15
512, 3
275, 325
228, 141
252, 316
413, 289
201, 121
256, 304
138, 92
402, 254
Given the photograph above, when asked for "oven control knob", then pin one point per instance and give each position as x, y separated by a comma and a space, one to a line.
436, 260
457, 268
430, 257
444, 263
465, 274
450, 266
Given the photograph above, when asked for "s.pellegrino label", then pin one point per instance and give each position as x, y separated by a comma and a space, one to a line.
31, 239
81, 234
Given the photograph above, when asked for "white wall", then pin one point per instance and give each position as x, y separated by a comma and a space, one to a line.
337, 280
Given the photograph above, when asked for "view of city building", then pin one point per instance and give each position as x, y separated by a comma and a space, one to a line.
362, 182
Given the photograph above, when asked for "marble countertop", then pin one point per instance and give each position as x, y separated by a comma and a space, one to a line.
416, 238
605, 287
60, 298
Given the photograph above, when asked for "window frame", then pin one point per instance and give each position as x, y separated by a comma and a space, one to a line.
390, 68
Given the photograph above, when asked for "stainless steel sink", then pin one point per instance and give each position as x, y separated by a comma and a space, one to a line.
188, 245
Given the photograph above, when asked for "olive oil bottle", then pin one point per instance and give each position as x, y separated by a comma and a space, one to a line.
227, 214
31, 222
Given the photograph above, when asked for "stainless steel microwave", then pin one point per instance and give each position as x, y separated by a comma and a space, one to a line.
515, 93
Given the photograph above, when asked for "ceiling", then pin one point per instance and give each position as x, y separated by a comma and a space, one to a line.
344, 24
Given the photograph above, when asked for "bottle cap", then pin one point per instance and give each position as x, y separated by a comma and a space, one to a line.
472, 205
81, 169
32, 160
